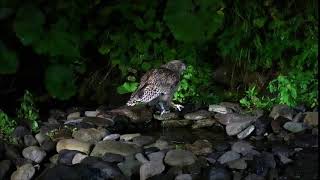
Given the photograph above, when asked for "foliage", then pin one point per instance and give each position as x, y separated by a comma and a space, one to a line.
8, 60
28, 111
74, 40
295, 89
291, 90
60, 81
189, 21
7, 124
252, 100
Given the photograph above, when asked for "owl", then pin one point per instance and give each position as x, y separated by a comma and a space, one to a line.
159, 85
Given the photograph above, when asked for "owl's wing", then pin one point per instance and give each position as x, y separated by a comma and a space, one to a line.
156, 82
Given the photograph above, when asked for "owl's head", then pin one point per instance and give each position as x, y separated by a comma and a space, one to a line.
176, 65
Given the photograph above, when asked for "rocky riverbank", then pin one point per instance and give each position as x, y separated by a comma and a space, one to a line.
218, 142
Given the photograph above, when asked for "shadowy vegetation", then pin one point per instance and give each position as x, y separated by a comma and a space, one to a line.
93, 49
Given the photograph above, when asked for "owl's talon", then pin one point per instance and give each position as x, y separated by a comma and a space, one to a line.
164, 112
178, 106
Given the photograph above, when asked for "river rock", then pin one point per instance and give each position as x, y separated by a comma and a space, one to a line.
178, 157
294, 127
219, 173
200, 147
237, 164
242, 147
150, 169
98, 121
136, 114
129, 166
277, 124
91, 113
236, 127
143, 140
230, 118
298, 117
20, 132
114, 147
282, 111
112, 137
228, 156
261, 125
112, 158
90, 135
5, 166
165, 116
73, 115
129, 137
34, 153
48, 145
66, 156
73, 144
311, 119
183, 177
201, 114
203, 123
29, 140
25, 172
40, 137
160, 144
245, 133
176, 123
219, 109
78, 157
107, 170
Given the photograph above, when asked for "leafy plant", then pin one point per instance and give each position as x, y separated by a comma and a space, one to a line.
252, 100
294, 89
7, 124
28, 111
127, 87
189, 21
8, 60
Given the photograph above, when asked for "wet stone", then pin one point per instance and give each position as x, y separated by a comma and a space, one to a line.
112, 137
294, 127
200, 147
242, 147
66, 156
34, 153
29, 140
90, 135
203, 123
282, 111
228, 156
179, 157
114, 147
143, 140
166, 116
246, 132
237, 164
237, 127
73, 144
25, 172
112, 158
5, 166
198, 115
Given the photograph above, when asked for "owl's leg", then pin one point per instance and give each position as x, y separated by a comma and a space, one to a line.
163, 110
179, 107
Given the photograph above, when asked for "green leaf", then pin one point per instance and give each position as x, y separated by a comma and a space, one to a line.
28, 24
60, 82
8, 61
127, 87
191, 24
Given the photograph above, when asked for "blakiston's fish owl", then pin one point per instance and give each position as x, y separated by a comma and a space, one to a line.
159, 84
